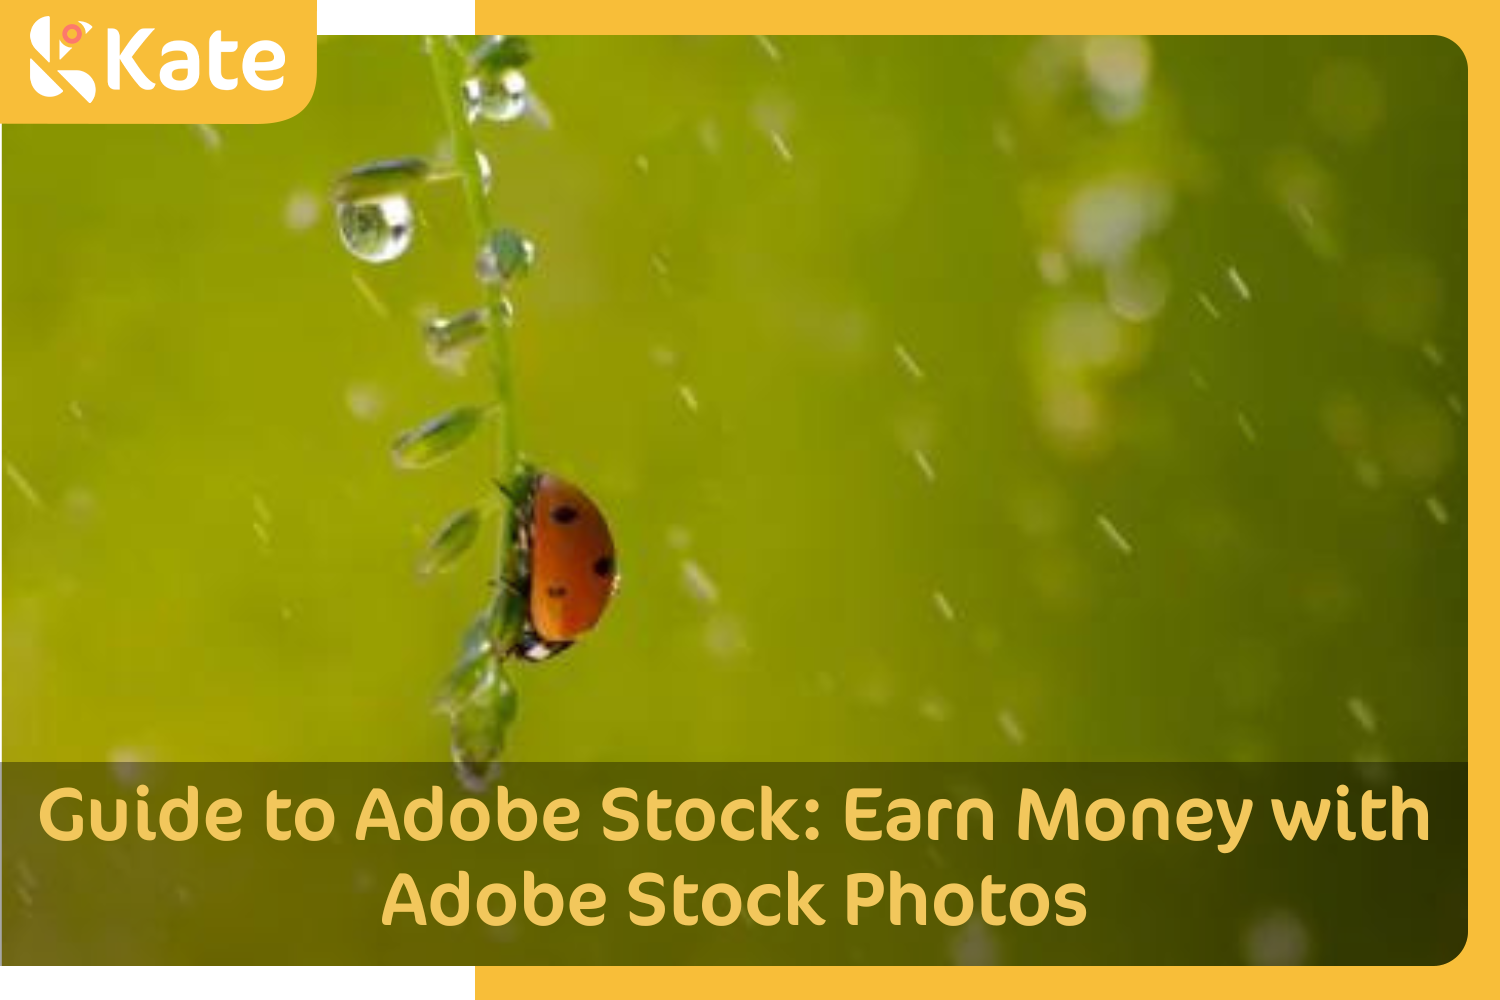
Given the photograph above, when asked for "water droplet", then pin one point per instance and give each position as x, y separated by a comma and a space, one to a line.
436, 439
261, 522
451, 339
498, 53
1116, 538
783, 150
1010, 727
506, 255
378, 230
486, 172
1438, 510
481, 709
1136, 289
368, 294
1208, 305
699, 583
924, 464
381, 178
1278, 938
365, 401
301, 211
689, 397
724, 636
449, 543
1246, 427
974, 945
1106, 221
23, 484
1119, 68
212, 139
944, 608
1363, 714
909, 363
768, 47
1238, 282
497, 97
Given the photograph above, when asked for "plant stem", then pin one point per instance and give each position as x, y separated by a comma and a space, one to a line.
448, 72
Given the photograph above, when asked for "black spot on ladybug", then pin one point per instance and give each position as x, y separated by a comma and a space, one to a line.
564, 514
557, 591
604, 566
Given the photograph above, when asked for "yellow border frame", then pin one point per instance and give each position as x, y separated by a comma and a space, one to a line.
1475, 971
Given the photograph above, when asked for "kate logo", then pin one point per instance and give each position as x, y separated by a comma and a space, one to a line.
191, 62
41, 40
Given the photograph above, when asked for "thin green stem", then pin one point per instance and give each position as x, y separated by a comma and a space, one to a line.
448, 72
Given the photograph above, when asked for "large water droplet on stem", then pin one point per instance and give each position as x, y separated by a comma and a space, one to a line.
449, 543
499, 53
451, 340
436, 439
496, 97
383, 177
506, 255
481, 711
377, 230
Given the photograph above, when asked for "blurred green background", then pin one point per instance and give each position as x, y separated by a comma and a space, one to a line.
950, 399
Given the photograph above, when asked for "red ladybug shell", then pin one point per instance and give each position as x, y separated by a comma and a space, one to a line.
572, 570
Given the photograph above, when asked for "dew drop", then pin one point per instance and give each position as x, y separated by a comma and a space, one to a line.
381, 178
1011, 727
498, 53
481, 710
1115, 536
506, 255
497, 97
451, 339
378, 230
1208, 306
1437, 510
1363, 714
301, 211
364, 400
486, 172
1247, 429
699, 583
20, 482
436, 439
943, 605
449, 543
924, 463
1277, 938
783, 149
909, 363
768, 47
1237, 281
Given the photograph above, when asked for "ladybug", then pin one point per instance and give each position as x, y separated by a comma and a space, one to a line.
567, 565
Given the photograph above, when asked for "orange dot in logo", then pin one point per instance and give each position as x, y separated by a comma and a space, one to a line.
72, 34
